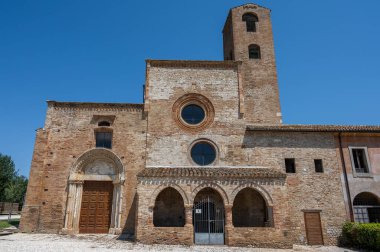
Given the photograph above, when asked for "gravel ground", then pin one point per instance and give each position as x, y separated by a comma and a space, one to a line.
57, 243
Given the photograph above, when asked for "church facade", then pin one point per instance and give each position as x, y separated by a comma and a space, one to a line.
205, 159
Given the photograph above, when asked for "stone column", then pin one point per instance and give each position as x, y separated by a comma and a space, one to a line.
74, 200
77, 206
228, 224
116, 207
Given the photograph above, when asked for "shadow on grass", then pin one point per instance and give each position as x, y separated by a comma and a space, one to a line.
15, 223
7, 224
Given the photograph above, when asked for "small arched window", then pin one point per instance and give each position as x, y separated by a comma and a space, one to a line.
250, 20
254, 52
104, 124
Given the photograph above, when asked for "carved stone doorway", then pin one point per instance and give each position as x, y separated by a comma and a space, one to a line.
100, 165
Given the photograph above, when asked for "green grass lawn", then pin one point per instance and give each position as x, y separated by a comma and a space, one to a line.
6, 224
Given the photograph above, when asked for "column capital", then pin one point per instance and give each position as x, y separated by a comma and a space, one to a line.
228, 207
76, 182
118, 182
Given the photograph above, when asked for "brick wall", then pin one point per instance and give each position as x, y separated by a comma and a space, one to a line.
259, 76
168, 144
303, 190
68, 133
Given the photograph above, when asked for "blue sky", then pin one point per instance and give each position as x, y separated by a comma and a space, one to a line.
327, 55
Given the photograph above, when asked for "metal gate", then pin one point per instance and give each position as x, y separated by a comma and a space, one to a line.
208, 218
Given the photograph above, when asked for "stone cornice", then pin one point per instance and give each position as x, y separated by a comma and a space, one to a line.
227, 64
95, 106
316, 128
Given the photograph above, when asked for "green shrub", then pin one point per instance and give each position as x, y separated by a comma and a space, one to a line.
361, 235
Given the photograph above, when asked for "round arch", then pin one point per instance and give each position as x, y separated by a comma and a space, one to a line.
264, 193
366, 206
78, 169
249, 209
169, 209
250, 16
366, 199
214, 186
160, 188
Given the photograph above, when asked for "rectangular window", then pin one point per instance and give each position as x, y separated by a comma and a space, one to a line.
359, 159
290, 165
318, 165
251, 26
103, 140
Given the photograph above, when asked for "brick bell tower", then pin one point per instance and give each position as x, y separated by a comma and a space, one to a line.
247, 37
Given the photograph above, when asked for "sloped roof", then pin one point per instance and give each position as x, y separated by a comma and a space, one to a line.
210, 172
316, 128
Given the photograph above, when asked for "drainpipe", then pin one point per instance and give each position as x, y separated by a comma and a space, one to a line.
345, 178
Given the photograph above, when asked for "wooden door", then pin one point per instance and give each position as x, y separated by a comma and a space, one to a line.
96, 208
313, 228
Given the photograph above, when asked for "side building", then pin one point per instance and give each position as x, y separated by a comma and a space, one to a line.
205, 159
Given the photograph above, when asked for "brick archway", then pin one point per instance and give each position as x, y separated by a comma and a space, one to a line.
169, 209
214, 186
268, 199
160, 188
261, 193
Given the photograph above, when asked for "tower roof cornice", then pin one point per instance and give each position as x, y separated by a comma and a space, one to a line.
250, 4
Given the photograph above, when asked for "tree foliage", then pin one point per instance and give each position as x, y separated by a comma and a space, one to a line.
361, 235
16, 189
12, 186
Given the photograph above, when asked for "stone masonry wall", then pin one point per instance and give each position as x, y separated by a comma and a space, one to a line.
168, 144
303, 190
69, 132
306, 189
148, 190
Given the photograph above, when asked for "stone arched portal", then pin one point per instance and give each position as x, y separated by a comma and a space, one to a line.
94, 165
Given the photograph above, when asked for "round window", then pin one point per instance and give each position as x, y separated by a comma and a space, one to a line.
193, 114
203, 153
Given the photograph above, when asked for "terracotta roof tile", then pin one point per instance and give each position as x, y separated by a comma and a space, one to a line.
204, 172
316, 128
